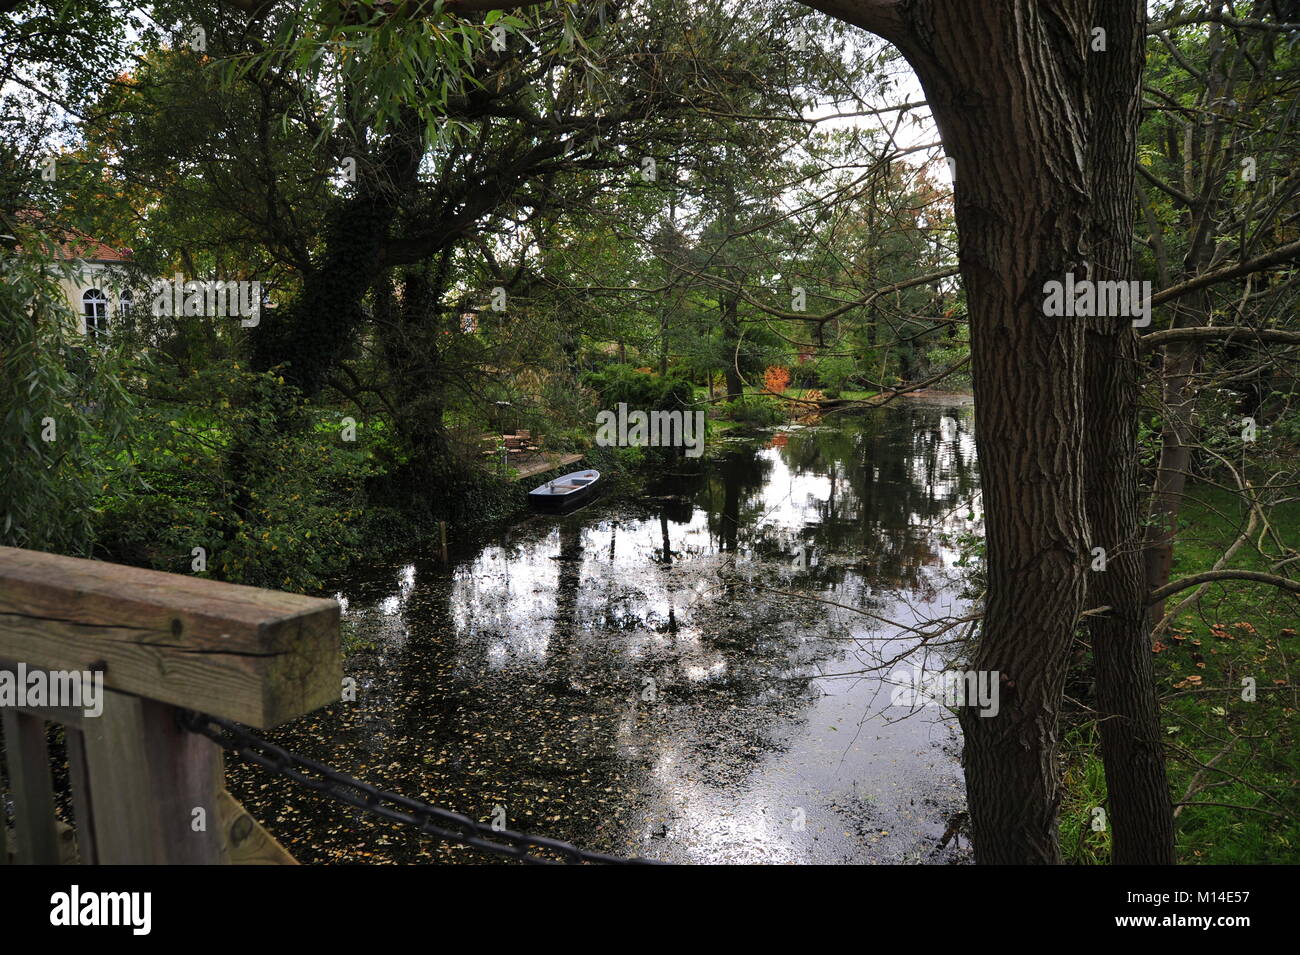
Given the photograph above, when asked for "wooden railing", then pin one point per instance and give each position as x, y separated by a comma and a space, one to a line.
143, 789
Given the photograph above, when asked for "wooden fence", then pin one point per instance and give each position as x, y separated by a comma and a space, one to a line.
144, 790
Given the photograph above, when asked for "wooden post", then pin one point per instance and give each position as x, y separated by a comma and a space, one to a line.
155, 786
36, 838
442, 532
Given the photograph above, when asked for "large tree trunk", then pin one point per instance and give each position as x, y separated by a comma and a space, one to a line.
1041, 130
314, 332
1003, 82
409, 331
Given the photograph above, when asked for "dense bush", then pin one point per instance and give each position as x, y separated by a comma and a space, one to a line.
270, 507
757, 411
835, 372
617, 384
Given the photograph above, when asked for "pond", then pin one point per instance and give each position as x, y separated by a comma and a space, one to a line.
702, 670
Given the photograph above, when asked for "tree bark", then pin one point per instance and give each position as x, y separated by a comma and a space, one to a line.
1138, 809
1003, 80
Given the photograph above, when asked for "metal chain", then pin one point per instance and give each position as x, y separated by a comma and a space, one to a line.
443, 823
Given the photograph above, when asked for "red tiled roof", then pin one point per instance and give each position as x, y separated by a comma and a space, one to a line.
75, 244
78, 245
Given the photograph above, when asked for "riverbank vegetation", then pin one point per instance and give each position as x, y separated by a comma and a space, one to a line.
646, 264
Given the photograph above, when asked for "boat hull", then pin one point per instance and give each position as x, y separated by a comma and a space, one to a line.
566, 492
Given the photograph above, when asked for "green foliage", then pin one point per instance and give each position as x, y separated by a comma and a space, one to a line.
56, 394
945, 356
617, 459
804, 374
617, 384
272, 508
757, 411
834, 373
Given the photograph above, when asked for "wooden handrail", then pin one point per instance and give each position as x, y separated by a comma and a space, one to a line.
257, 656
144, 790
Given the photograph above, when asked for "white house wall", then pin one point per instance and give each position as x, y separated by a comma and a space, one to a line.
105, 276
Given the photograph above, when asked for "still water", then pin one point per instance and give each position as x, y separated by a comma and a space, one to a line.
700, 670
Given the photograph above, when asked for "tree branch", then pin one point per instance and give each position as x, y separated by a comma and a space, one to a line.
881, 17
1171, 588
1283, 253
1159, 183
1218, 333
1222, 19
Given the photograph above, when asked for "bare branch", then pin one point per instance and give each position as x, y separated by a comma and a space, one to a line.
1174, 586
1223, 19
1224, 333
1283, 253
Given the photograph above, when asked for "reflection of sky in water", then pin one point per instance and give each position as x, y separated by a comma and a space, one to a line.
506, 596
664, 595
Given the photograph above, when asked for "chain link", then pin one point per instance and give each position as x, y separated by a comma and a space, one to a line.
443, 823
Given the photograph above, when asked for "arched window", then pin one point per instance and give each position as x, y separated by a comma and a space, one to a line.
125, 302
94, 306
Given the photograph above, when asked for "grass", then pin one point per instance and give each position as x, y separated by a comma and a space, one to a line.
1084, 794
1234, 761
1239, 631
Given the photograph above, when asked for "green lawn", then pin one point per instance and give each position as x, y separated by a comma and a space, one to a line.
1238, 757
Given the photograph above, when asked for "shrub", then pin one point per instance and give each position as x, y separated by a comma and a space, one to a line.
270, 507
804, 375
776, 379
757, 411
835, 371
638, 390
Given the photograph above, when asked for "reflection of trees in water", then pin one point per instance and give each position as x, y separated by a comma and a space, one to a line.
729, 495
894, 476
565, 731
